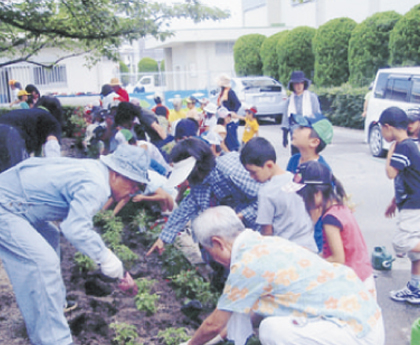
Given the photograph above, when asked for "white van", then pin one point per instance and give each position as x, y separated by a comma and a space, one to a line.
393, 87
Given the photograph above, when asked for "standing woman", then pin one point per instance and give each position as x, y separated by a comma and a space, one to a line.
227, 97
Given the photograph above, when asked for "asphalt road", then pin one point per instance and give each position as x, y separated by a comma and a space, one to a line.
364, 179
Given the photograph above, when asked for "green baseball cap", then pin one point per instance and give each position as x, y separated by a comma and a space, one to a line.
320, 124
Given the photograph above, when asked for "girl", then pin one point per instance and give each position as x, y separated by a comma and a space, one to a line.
324, 197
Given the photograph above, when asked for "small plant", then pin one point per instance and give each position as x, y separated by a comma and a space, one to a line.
124, 333
125, 254
102, 217
174, 336
174, 261
84, 262
145, 285
192, 286
141, 221
146, 302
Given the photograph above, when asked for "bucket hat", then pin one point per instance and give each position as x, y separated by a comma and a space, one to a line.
298, 77
181, 170
210, 108
114, 82
129, 161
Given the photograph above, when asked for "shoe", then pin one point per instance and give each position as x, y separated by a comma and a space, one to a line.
408, 294
70, 305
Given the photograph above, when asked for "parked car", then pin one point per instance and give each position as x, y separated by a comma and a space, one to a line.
267, 94
393, 87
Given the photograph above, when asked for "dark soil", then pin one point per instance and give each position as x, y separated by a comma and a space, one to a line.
90, 321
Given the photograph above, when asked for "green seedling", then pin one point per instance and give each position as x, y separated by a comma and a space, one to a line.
145, 285
125, 254
174, 261
102, 217
84, 262
146, 302
173, 336
124, 333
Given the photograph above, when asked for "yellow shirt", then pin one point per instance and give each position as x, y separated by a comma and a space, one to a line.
176, 115
251, 127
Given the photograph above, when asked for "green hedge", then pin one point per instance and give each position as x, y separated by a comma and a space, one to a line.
343, 105
148, 65
268, 55
330, 47
368, 47
294, 51
404, 41
246, 53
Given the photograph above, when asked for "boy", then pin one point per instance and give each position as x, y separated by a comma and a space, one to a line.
310, 137
403, 166
231, 141
23, 99
279, 213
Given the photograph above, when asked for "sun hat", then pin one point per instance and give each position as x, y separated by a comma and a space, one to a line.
309, 173
394, 117
180, 172
320, 124
223, 80
114, 82
222, 112
23, 93
12, 82
210, 108
129, 161
204, 101
413, 114
298, 77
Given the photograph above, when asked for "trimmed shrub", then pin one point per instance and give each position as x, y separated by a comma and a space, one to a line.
343, 105
162, 66
148, 65
330, 46
124, 70
246, 53
404, 41
268, 55
368, 47
294, 52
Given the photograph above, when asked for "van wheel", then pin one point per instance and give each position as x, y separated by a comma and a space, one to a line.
376, 142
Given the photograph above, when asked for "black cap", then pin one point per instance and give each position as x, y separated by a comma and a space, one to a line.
394, 117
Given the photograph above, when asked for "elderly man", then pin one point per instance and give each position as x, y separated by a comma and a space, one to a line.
213, 181
300, 297
40, 190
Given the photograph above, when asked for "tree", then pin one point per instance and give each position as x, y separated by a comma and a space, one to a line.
268, 55
148, 65
98, 27
368, 47
294, 52
404, 41
125, 79
330, 46
246, 53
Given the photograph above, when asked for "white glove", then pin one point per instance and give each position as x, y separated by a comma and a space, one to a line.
112, 266
217, 339
185, 343
52, 148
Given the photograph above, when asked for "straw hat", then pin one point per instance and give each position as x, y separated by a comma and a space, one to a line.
115, 82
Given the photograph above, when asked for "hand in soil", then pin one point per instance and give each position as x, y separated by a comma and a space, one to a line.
158, 245
128, 285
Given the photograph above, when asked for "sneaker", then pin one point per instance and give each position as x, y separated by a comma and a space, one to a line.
70, 305
408, 294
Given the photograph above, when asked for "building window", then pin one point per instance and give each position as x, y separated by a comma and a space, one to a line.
224, 48
46, 76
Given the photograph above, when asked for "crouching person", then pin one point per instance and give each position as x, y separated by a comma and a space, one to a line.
40, 190
298, 297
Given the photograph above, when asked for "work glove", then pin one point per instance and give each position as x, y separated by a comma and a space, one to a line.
112, 266
52, 148
285, 137
217, 339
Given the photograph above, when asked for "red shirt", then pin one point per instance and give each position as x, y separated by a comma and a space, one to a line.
124, 97
355, 249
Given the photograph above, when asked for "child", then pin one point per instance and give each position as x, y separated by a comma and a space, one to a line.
324, 197
310, 137
279, 213
231, 141
23, 99
192, 110
403, 166
251, 124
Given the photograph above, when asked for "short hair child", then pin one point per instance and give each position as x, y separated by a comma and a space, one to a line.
279, 213
403, 166
323, 193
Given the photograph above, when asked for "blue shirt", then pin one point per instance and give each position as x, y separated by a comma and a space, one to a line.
227, 184
406, 158
54, 189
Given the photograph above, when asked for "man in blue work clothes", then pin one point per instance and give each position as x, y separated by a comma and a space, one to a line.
213, 181
40, 190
